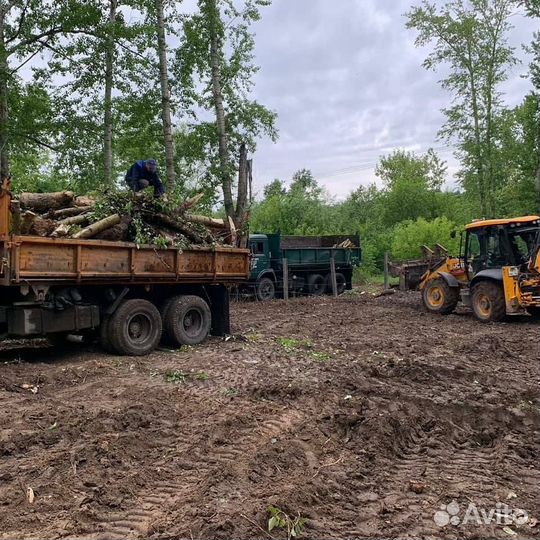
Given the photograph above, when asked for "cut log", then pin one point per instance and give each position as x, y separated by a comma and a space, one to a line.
98, 227
61, 230
183, 228
207, 221
16, 218
42, 227
26, 221
117, 233
85, 200
68, 212
191, 202
75, 220
232, 230
43, 202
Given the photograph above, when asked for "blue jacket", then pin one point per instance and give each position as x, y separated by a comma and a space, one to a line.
137, 172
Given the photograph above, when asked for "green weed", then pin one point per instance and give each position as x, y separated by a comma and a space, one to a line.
280, 520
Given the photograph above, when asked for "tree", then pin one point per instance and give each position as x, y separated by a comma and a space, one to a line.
517, 158
411, 183
533, 10
409, 236
470, 36
214, 66
27, 28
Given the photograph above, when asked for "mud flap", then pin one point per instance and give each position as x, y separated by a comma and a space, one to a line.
219, 308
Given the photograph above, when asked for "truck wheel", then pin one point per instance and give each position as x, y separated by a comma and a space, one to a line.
104, 332
488, 302
188, 320
439, 297
135, 327
341, 282
266, 290
316, 284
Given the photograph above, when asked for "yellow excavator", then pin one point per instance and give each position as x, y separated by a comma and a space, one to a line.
496, 274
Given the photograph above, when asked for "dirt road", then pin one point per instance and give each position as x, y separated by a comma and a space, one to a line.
361, 415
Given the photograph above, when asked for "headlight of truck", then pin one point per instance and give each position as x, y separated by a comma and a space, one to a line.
513, 271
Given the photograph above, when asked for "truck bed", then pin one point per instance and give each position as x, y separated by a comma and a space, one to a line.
32, 259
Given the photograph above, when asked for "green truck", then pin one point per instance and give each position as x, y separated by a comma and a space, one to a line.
308, 261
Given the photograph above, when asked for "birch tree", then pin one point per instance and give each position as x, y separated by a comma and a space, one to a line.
470, 38
165, 93
215, 69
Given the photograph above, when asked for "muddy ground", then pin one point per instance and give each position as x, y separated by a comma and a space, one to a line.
361, 415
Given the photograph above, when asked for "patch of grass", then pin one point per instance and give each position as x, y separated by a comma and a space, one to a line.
526, 405
291, 344
321, 356
252, 337
201, 376
231, 392
176, 377
280, 520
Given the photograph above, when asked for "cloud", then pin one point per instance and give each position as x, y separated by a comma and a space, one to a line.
348, 85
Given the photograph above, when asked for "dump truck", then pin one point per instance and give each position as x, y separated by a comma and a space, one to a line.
124, 294
496, 274
308, 260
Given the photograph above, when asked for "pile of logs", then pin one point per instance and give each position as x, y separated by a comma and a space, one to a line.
63, 215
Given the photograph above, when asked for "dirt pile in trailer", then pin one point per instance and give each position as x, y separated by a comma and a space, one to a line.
119, 216
364, 416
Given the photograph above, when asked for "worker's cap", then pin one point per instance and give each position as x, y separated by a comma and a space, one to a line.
151, 164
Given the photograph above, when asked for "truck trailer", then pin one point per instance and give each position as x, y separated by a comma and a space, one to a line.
125, 294
308, 260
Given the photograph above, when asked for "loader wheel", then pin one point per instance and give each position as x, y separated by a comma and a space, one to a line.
266, 290
439, 297
316, 284
488, 302
341, 282
188, 320
534, 312
135, 327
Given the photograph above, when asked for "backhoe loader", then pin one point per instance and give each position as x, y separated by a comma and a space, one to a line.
496, 274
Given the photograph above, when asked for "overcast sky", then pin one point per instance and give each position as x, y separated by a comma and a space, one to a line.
347, 83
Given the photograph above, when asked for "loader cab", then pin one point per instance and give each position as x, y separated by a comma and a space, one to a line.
494, 244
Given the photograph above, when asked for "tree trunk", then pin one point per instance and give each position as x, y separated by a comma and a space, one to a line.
107, 102
477, 134
165, 96
206, 221
241, 198
41, 202
98, 227
4, 111
217, 93
538, 150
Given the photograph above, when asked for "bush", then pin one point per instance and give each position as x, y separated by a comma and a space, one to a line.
409, 236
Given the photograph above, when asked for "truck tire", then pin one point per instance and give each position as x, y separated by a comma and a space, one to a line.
135, 327
188, 320
316, 284
488, 303
104, 338
265, 289
439, 297
341, 282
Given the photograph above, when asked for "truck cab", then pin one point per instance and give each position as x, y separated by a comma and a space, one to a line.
260, 255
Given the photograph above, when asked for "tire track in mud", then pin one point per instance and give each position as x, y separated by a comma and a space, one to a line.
154, 503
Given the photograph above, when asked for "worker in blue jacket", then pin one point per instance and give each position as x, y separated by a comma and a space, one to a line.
144, 173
